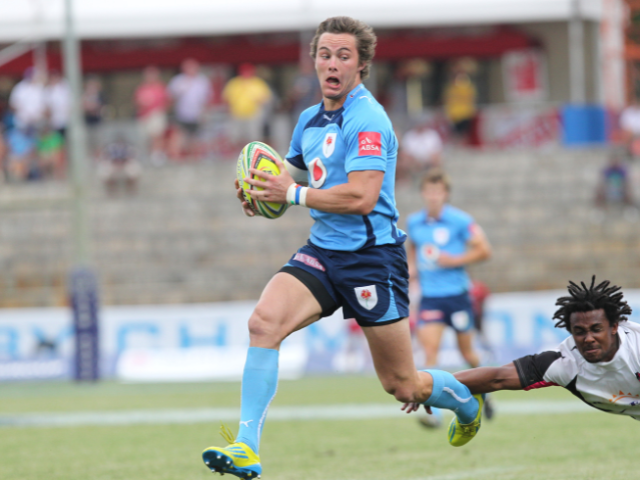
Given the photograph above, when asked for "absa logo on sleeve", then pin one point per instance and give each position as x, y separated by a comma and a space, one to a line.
369, 143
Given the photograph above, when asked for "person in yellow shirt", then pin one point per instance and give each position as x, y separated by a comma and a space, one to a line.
460, 104
247, 96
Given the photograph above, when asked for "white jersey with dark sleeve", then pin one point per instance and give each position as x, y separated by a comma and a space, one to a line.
612, 387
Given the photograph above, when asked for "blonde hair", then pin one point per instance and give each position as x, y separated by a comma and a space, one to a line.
436, 175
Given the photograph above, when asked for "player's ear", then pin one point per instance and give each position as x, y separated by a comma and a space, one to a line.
614, 329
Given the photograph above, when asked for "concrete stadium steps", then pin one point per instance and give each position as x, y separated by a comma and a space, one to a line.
182, 238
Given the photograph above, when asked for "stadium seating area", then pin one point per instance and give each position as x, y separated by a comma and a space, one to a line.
182, 238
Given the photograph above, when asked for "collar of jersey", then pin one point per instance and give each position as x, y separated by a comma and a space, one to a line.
428, 219
350, 98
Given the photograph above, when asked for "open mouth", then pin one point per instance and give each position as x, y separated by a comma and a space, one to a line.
333, 81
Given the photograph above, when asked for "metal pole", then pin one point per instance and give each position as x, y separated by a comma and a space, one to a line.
576, 55
77, 141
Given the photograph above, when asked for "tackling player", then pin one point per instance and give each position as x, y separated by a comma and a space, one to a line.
443, 240
599, 363
346, 150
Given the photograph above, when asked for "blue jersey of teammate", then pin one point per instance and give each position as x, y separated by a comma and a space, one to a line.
330, 145
449, 233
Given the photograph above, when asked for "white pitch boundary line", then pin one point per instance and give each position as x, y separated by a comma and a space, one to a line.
482, 472
283, 413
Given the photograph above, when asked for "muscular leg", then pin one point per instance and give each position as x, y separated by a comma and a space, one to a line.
430, 336
285, 306
465, 345
393, 360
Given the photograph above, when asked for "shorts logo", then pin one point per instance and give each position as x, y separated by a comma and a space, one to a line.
369, 143
460, 320
638, 376
308, 260
329, 144
367, 296
431, 315
318, 172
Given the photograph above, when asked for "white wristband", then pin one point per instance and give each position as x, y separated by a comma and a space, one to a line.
297, 195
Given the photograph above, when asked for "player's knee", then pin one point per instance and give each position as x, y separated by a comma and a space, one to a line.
263, 326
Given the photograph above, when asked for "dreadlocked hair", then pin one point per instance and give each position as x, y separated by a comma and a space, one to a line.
583, 299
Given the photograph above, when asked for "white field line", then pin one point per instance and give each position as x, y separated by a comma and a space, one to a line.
479, 473
283, 413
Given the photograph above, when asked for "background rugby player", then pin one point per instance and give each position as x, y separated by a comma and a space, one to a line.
443, 240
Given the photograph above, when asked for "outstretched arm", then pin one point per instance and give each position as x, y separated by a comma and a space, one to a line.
481, 380
490, 379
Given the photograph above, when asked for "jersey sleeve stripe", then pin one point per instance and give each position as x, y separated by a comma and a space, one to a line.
297, 161
542, 384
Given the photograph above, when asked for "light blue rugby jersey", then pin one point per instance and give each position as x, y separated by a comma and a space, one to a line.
330, 145
449, 233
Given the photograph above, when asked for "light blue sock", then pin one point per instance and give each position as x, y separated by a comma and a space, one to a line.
259, 385
449, 393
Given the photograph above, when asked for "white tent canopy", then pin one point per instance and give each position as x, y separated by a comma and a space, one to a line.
43, 19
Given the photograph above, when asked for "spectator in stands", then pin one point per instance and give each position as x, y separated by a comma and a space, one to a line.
50, 148
614, 187
93, 103
21, 158
57, 98
630, 125
119, 166
151, 100
460, 105
190, 92
420, 149
27, 100
247, 96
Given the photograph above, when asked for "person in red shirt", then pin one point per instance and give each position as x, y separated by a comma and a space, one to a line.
151, 102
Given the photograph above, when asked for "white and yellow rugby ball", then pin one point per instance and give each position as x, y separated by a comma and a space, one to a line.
262, 157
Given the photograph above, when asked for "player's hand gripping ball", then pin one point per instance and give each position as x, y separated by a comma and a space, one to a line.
262, 157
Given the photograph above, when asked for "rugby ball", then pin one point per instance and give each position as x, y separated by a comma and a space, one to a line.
262, 157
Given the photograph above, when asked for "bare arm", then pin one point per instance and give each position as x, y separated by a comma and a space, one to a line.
478, 249
481, 380
358, 196
490, 379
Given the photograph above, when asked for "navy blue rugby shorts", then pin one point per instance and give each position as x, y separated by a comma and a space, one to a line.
371, 285
455, 311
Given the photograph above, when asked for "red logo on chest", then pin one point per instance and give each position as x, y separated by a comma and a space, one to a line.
369, 143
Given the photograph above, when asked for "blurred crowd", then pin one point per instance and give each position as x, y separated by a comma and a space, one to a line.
34, 127
199, 113
211, 113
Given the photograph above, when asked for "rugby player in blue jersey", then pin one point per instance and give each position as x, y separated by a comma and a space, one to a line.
345, 149
443, 240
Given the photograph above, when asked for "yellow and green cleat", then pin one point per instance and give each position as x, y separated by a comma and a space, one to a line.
460, 434
235, 459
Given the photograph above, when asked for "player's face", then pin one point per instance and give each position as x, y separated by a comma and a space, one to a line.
435, 196
337, 66
595, 338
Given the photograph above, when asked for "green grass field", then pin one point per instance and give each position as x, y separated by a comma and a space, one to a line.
524, 446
